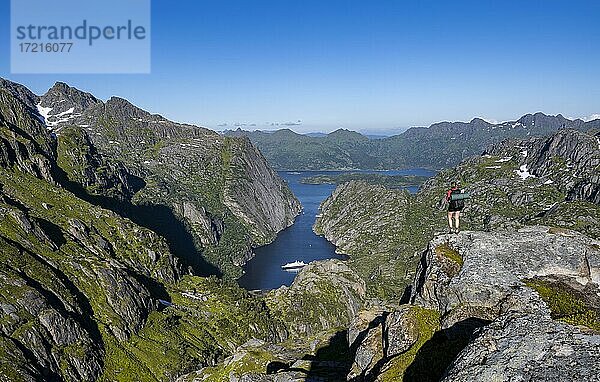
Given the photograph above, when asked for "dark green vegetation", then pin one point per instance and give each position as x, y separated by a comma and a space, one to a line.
440, 145
568, 304
389, 181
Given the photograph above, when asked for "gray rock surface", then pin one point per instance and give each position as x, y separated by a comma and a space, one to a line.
520, 347
522, 342
400, 332
490, 280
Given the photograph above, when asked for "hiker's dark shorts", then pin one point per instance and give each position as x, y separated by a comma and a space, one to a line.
454, 210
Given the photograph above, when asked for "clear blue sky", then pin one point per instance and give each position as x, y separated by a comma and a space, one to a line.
364, 65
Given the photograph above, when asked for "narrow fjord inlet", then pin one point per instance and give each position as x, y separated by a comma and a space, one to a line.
299, 242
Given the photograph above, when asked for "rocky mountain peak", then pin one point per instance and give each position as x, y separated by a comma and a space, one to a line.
20, 92
124, 109
346, 134
479, 121
62, 96
64, 104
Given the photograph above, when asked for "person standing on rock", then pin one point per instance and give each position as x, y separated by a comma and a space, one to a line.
454, 208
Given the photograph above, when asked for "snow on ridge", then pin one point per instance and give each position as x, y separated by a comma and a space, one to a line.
505, 159
70, 111
524, 173
45, 116
44, 113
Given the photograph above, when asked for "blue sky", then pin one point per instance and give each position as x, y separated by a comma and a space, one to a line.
363, 65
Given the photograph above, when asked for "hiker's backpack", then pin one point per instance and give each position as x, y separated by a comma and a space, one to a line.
458, 204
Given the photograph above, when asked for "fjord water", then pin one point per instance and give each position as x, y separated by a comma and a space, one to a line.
299, 242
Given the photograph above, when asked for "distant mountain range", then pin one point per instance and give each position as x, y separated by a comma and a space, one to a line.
440, 145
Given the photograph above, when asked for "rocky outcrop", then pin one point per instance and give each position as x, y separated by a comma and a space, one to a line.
521, 305
490, 280
325, 295
494, 284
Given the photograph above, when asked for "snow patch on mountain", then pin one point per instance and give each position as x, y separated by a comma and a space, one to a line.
524, 173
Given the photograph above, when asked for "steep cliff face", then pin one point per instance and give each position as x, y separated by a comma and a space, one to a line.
373, 225
220, 189
255, 193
